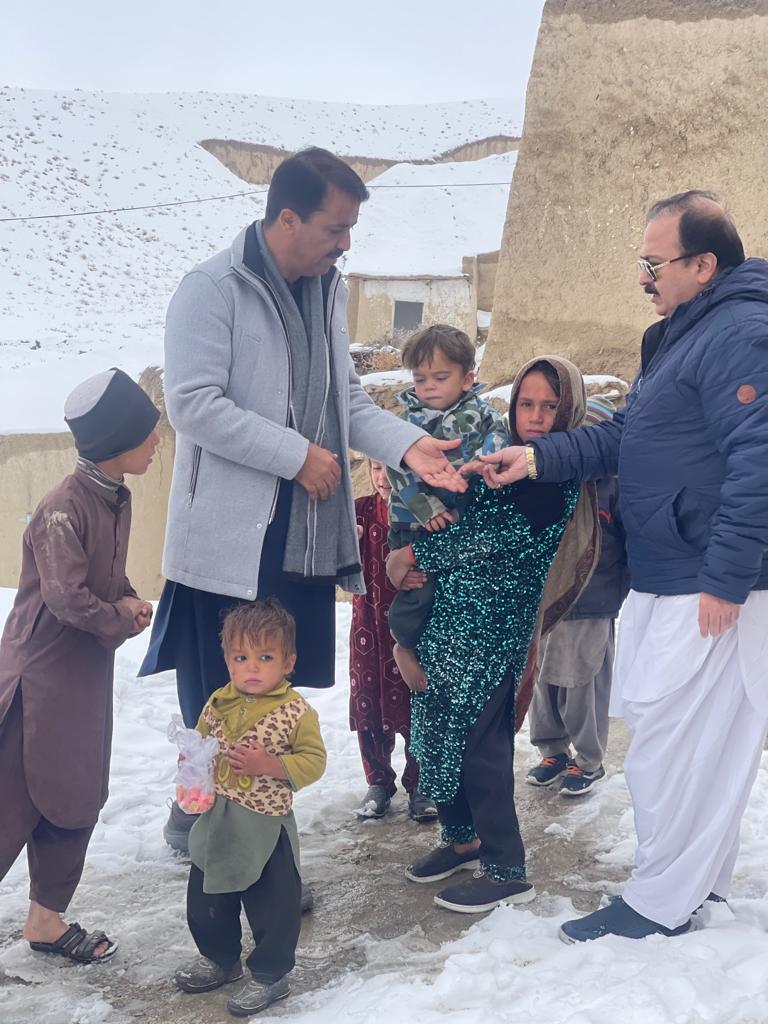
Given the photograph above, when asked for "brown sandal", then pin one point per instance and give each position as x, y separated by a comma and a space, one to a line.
77, 944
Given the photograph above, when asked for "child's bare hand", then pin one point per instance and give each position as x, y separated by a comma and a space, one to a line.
414, 579
440, 521
359, 532
134, 605
144, 617
251, 759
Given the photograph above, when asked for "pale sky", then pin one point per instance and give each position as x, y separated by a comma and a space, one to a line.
398, 51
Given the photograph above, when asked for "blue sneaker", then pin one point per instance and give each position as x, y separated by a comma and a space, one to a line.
618, 918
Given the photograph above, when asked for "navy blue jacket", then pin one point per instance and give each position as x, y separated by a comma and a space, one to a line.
691, 445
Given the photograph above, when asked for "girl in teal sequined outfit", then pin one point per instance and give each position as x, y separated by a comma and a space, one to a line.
490, 571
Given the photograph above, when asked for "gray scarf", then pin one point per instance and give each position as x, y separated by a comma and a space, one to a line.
321, 541
92, 470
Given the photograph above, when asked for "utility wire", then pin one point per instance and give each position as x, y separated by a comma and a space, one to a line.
215, 199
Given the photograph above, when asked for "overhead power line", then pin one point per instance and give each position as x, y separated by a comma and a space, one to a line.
215, 199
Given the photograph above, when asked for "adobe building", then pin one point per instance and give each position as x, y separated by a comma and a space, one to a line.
626, 103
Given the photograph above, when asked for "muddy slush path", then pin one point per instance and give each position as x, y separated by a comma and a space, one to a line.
367, 917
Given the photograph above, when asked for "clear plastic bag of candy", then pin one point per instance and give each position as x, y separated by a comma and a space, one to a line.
195, 790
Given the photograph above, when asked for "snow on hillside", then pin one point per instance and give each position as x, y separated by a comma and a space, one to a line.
422, 230
81, 293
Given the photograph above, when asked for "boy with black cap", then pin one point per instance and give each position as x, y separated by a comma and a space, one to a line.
73, 608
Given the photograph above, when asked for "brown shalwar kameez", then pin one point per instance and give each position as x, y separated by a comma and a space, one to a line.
56, 672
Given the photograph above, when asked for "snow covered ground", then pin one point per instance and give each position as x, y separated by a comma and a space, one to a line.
507, 968
78, 294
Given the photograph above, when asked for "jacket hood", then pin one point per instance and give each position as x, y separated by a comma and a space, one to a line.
748, 281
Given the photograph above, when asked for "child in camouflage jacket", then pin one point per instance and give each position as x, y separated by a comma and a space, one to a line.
444, 401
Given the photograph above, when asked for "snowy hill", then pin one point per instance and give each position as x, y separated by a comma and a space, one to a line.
81, 293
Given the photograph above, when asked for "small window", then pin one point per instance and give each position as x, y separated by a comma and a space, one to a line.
408, 315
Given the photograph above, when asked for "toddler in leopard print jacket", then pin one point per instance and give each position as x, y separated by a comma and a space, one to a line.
245, 849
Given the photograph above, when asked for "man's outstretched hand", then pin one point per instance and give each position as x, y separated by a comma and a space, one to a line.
426, 459
499, 468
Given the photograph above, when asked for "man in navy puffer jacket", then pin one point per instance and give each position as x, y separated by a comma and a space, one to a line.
691, 453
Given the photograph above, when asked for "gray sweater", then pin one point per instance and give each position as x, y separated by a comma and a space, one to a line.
227, 392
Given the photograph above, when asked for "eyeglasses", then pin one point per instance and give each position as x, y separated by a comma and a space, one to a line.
652, 269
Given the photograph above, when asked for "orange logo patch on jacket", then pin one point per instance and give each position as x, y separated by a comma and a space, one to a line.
746, 394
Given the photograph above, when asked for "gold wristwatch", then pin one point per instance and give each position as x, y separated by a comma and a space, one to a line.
530, 458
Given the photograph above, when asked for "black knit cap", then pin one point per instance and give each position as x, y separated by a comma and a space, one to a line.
109, 414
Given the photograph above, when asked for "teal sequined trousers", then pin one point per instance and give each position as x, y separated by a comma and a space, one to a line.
490, 573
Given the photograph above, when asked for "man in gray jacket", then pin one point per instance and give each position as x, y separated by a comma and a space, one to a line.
263, 396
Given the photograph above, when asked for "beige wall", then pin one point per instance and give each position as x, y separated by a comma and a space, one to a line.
446, 300
482, 269
31, 464
626, 103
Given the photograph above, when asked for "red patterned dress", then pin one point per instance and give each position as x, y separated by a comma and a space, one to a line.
379, 700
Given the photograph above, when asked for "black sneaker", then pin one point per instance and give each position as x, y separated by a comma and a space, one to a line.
577, 782
256, 996
176, 830
548, 770
440, 864
203, 975
618, 918
375, 803
307, 898
482, 893
421, 808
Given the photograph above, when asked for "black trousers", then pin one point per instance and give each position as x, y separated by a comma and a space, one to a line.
186, 628
485, 799
272, 906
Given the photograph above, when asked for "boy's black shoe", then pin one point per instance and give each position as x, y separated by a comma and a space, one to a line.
577, 782
375, 803
256, 996
421, 808
440, 863
482, 893
307, 898
203, 975
548, 770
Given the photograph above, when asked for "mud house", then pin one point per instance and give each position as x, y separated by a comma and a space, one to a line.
426, 249
626, 103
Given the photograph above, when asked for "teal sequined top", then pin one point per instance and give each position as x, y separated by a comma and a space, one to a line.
490, 570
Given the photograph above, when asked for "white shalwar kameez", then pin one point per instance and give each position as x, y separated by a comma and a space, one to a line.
697, 709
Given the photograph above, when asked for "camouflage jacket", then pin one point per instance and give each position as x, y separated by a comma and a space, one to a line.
482, 430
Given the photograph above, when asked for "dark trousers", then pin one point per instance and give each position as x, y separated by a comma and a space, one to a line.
55, 855
187, 626
409, 613
376, 752
485, 799
410, 610
200, 665
272, 906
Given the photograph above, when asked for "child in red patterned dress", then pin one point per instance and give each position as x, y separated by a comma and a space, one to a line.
379, 700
